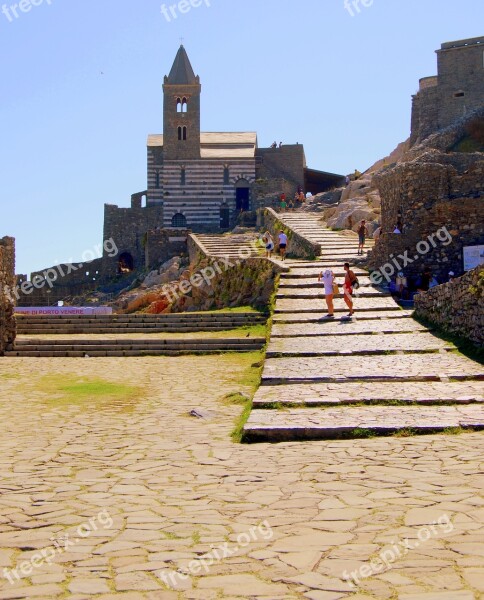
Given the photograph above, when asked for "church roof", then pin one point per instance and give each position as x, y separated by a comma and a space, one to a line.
220, 144
182, 72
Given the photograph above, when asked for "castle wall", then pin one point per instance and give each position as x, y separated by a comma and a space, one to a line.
454, 93
128, 227
7, 299
287, 162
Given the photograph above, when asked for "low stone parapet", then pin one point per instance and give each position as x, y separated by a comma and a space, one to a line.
298, 246
457, 306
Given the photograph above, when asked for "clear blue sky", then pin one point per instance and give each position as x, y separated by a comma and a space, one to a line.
81, 89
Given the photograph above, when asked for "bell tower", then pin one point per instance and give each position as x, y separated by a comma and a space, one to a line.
181, 110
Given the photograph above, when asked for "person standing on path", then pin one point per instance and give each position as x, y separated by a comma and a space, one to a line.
269, 242
282, 244
362, 234
283, 202
327, 278
350, 279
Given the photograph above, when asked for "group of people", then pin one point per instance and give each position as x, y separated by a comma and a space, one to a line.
298, 200
331, 289
406, 287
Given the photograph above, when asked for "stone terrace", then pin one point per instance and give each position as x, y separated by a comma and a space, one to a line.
320, 375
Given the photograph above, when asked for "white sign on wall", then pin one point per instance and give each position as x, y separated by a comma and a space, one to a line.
473, 257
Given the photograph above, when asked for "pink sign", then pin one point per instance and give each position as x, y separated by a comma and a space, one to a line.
63, 311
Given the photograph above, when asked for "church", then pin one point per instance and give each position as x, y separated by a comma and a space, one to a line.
203, 180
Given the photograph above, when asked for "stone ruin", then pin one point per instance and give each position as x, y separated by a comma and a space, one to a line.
7, 299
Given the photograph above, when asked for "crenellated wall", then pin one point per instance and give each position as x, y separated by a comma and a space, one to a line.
7, 298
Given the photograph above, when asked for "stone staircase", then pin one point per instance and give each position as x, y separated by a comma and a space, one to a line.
229, 245
88, 336
378, 373
137, 323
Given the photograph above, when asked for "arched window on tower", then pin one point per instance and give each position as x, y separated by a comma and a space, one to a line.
184, 133
183, 176
179, 133
184, 105
157, 183
226, 175
179, 105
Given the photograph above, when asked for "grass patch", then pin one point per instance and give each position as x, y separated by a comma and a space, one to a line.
65, 390
248, 380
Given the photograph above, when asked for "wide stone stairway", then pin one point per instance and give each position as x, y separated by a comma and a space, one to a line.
229, 245
379, 372
135, 335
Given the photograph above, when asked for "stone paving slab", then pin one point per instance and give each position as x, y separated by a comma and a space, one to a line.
313, 317
357, 344
318, 305
327, 423
309, 282
405, 367
317, 291
427, 392
344, 327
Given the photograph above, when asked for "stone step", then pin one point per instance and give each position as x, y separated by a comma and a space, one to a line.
328, 423
311, 293
97, 348
305, 283
399, 367
346, 327
327, 394
316, 305
358, 345
137, 317
296, 274
371, 315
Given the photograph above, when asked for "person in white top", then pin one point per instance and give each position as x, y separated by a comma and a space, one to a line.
327, 278
282, 245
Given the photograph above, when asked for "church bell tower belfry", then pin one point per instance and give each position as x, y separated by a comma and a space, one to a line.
181, 111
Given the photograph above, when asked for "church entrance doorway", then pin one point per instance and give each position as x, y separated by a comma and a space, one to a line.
242, 195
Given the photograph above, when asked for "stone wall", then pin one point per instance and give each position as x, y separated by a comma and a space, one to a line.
7, 300
298, 246
128, 227
434, 191
287, 162
457, 306
163, 244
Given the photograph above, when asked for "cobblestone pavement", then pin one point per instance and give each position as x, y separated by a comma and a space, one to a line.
177, 488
